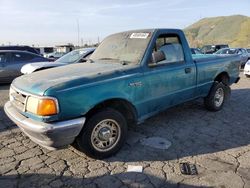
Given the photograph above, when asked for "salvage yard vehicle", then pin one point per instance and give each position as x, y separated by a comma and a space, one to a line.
54, 55
21, 48
248, 52
240, 51
247, 69
195, 51
11, 62
130, 77
75, 56
210, 49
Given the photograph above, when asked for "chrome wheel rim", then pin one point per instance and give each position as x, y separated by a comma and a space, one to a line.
105, 135
219, 97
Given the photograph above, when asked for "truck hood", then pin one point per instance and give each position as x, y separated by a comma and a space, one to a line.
39, 82
31, 67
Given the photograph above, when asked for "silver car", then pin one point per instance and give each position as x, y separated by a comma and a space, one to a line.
75, 56
242, 52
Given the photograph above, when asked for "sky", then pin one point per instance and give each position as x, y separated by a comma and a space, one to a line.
55, 22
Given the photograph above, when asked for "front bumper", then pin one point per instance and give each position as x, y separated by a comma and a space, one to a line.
49, 135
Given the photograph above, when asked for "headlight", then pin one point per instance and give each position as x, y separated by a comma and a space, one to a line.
42, 106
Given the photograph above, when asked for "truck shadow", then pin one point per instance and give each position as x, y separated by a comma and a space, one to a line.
128, 179
192, 130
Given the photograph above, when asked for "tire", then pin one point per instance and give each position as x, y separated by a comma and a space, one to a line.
217, 96
248, 76
96, 140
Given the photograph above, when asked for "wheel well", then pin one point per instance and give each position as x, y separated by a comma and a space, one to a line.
121, 105
223, 77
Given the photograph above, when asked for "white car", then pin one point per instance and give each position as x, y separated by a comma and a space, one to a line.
54, 55
247, 69
75, 56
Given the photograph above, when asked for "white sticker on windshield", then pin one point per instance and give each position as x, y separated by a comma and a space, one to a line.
139, 35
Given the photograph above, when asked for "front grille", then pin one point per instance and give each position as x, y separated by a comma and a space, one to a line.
17, 99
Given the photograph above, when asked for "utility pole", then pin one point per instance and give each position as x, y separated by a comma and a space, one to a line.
81, 42
78, 32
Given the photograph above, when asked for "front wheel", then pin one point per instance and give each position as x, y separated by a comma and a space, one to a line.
248, 76
216, 97
103, 134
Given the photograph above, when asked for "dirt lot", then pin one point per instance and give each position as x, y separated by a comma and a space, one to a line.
218, 143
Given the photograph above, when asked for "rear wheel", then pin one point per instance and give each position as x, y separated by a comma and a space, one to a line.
216, 97
103, 134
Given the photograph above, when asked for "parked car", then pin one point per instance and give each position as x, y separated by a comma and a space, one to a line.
247, 69
20, 48
196, 51
210, 49
130, 77
76, 56
248, 51
45, 50
54, 55
240, 51
11, 62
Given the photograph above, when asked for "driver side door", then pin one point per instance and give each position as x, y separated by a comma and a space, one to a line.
170, 81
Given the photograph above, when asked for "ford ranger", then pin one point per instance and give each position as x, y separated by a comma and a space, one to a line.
130, 77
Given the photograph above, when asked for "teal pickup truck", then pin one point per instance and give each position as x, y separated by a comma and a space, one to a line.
130, 77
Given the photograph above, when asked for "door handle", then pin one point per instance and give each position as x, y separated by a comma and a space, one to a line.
188, 70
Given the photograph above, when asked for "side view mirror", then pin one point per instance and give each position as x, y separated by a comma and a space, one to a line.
158, 56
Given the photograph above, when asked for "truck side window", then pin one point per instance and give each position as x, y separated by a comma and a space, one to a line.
171, 46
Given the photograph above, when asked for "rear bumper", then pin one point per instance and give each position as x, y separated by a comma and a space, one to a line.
49, 135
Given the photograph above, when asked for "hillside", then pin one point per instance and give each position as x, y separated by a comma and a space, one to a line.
232, 30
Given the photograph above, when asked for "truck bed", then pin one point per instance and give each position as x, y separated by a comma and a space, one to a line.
210, 64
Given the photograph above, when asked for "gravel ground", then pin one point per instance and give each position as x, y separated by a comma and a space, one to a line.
217, 143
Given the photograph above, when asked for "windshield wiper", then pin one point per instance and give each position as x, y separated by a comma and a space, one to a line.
123, 62
108, 58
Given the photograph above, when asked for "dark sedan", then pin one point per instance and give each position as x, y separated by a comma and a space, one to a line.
20, 48
11, 62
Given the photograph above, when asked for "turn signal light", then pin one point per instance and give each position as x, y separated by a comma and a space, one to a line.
46, 107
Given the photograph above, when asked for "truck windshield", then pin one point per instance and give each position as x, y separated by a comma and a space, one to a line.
125, 48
